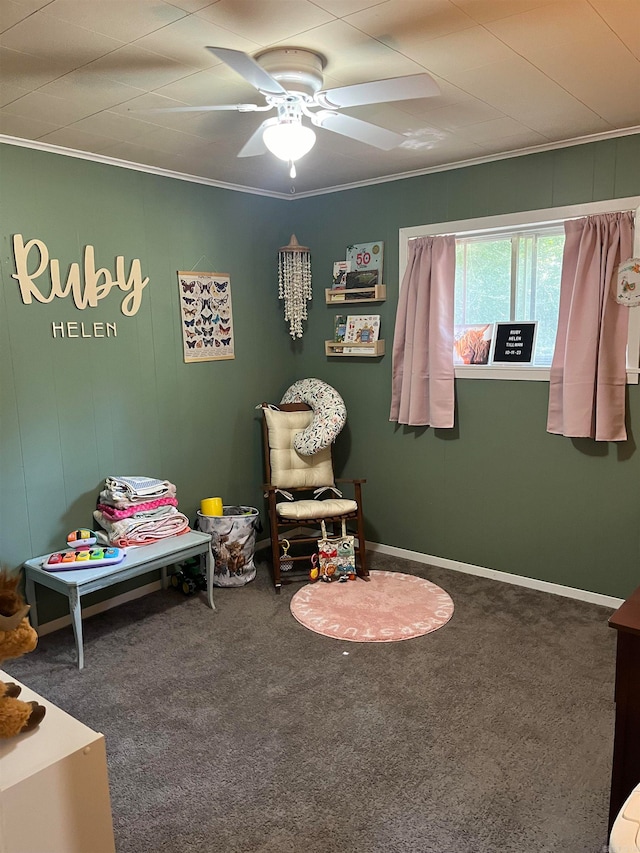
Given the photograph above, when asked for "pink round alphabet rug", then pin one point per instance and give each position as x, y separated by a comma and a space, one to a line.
390, 606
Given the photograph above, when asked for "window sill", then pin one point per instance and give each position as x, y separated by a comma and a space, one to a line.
526, 374
490, 371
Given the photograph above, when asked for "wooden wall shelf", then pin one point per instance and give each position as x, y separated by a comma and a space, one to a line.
377, 293
337, 349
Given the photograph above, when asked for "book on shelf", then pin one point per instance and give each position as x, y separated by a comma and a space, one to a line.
366, 257
340, 328
340, 270
363, 278
362, 329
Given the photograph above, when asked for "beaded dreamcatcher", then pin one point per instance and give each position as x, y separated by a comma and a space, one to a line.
294, 284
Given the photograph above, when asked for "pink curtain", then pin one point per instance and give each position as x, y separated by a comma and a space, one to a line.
423, 379
588, 375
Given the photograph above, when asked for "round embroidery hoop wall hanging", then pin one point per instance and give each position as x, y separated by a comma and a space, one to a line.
628, 284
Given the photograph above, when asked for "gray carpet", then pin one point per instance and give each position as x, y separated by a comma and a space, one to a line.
240, 731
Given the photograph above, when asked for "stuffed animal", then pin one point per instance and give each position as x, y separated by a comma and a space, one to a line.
17, 637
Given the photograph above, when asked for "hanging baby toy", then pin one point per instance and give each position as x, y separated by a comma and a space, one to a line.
286, 563
336, 557
294, 284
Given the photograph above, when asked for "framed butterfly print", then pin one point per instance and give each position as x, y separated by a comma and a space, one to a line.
205, 316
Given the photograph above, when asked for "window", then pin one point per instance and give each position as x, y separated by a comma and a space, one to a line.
512, 276
508, 268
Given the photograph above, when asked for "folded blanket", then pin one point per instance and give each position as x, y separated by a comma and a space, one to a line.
151, 508
108, 498
122, 501
133, 531
139, 488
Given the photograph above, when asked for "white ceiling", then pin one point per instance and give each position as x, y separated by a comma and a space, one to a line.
514, 74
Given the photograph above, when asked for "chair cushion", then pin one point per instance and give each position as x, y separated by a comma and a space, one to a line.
289, 469
315, 509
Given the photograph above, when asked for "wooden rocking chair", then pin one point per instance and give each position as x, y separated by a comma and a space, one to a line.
301, 493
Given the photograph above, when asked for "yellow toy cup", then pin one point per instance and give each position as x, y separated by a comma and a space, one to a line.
211, 506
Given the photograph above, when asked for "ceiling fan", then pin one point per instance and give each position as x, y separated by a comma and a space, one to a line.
290, 80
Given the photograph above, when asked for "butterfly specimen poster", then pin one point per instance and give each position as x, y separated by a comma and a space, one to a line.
205, 312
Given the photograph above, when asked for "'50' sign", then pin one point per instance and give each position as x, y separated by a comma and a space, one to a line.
365, 256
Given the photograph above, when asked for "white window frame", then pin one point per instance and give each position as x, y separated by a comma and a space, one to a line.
548, 216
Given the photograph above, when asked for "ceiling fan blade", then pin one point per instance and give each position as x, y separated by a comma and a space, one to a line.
248, 68
379, 91
254, 145
243, 108
363, 131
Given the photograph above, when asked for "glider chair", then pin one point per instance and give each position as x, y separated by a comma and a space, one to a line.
302, 493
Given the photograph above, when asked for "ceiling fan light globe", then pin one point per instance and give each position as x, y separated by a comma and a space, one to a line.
289, 141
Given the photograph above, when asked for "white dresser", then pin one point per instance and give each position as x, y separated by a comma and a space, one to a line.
54, 788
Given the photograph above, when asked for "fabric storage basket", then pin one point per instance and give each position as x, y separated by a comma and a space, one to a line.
233, 541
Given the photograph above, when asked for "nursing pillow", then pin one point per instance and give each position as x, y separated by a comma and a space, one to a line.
329, 414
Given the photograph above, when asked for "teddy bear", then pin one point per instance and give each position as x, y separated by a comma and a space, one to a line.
17, 637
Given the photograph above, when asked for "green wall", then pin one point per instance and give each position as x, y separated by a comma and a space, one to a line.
496, 491
76, 410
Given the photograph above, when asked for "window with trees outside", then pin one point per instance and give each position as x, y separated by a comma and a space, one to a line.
508, 269
512, 276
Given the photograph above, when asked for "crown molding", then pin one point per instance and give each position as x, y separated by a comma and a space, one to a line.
136, 167
476, 161
385, 179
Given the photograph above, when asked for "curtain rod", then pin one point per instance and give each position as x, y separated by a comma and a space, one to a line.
531, 226
524, 226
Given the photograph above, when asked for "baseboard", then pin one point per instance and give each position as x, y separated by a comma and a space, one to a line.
416, 556
100, 607
493, 574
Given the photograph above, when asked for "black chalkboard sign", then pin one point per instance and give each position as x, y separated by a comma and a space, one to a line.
514, 342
